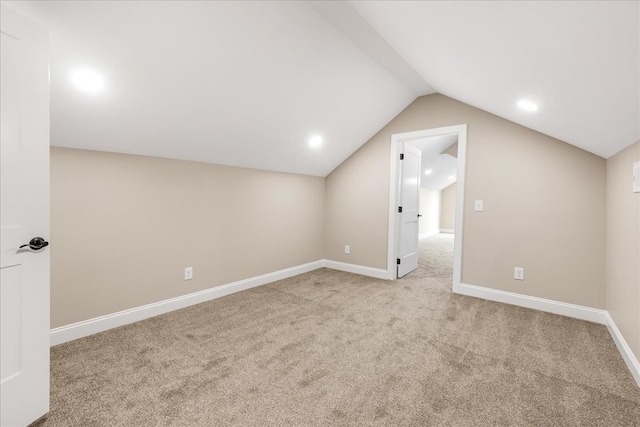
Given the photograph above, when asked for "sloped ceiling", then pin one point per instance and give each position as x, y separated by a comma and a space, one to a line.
249, 83
235, 83
578, 60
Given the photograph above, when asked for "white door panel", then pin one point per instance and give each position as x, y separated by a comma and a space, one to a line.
410, 202
24, 214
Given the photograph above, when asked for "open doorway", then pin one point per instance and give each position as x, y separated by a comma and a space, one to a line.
444, 150
437, 205
438, 183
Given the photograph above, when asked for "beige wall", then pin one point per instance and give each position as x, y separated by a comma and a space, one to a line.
430, 211
623, 246
543, 199
353, 209
448, 208
452, 151
151, 217
123, 228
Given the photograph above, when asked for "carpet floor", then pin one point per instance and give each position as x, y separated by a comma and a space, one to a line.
333, 348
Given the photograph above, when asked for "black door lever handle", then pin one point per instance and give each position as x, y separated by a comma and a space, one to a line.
36, 244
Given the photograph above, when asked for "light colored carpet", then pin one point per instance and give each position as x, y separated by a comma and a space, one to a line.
332, 348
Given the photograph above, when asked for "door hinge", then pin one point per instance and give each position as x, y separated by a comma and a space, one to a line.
401, 156
400, 209
398, 261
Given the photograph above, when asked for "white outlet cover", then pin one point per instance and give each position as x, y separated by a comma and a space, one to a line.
347, 249
518, 273
478, 205
188, 273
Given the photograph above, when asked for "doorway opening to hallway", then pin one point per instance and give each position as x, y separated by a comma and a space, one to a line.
440, 183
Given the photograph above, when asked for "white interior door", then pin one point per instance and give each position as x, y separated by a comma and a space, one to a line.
24, 204
410, 203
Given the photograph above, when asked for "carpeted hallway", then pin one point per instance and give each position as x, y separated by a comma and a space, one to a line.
333, 348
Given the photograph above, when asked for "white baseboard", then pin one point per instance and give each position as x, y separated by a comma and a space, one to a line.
570, 310
99, 324
565, 309
448, 230
624, 349
425, 235
377, 273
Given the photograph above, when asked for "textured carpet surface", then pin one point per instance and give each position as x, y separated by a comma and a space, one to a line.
333, 348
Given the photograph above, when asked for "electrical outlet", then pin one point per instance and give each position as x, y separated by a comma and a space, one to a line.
188, 273
478, 205
518, 273
347, 249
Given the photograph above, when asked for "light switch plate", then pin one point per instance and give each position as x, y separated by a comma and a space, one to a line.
478, 205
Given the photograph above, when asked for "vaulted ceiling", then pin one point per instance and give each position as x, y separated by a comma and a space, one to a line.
249, 83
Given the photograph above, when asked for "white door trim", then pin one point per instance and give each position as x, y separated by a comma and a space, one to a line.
394, 182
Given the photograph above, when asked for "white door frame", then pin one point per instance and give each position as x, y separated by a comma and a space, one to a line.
397, 141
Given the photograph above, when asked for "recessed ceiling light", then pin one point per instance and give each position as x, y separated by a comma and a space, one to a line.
527, 105
428, 172
315, 141
451, 177
87, 81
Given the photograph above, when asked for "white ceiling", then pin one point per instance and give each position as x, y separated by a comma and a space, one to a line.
248, 83
235, 83
578, 60
443, 167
